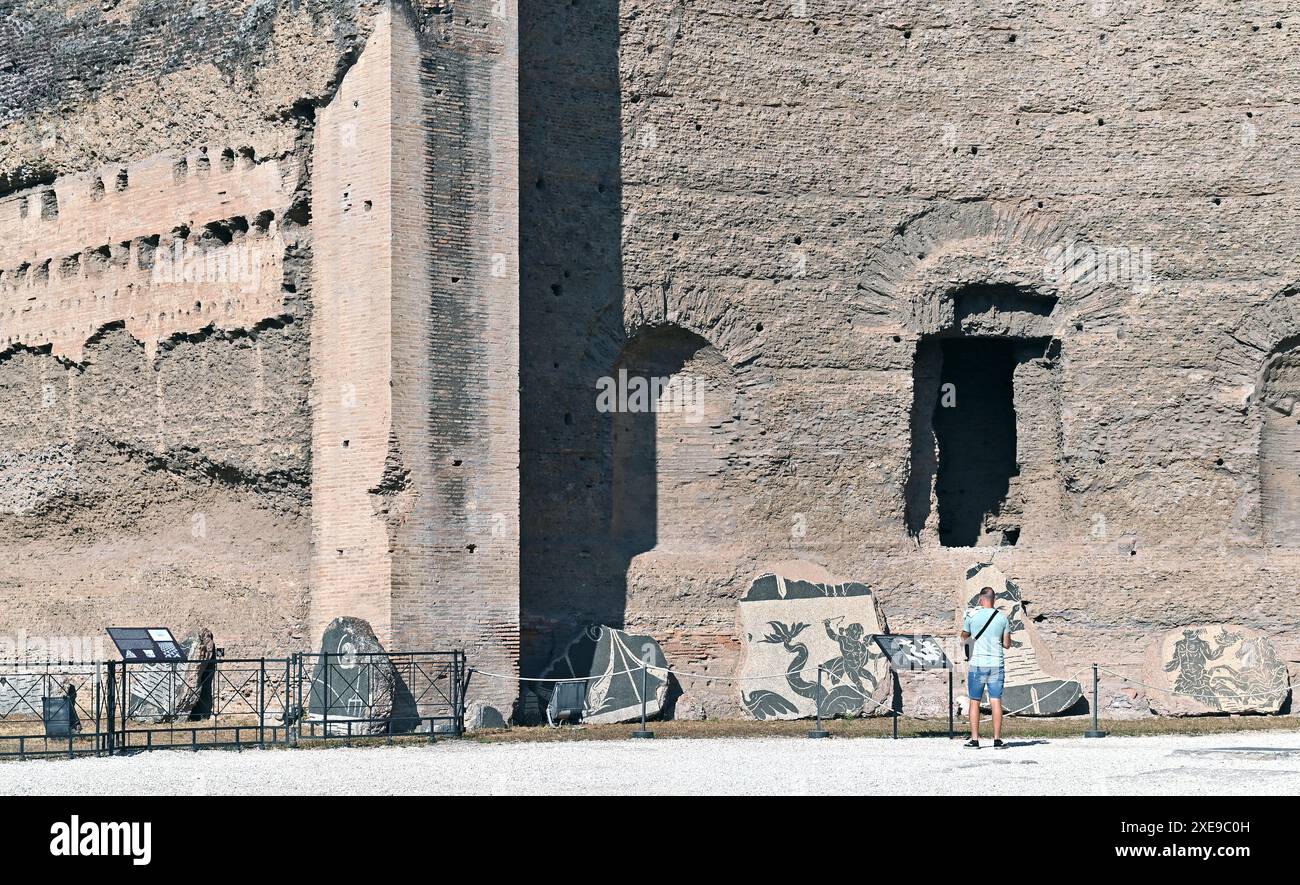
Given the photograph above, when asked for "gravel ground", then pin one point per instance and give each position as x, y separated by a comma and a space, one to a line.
1211, 764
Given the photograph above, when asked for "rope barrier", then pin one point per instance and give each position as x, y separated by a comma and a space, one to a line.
652, 668
878, 704
784, 673
1195, 695
1064, 682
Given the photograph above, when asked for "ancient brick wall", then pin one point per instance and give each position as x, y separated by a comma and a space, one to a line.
155, 303
809, 188
789, 204
456, 336
259, 282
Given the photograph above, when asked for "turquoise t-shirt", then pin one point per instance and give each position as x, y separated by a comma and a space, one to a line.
987, 651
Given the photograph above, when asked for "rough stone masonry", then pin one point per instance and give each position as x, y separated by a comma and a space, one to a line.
305, 306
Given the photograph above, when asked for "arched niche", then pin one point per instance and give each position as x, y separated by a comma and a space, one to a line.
985, 415
673, 403
1279, 446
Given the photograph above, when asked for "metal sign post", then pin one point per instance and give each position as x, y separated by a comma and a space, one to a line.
914, 653
644, 732
1095, 731
819, 732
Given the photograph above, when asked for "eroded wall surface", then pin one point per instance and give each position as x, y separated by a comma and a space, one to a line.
155, 305
258, 322
805, 186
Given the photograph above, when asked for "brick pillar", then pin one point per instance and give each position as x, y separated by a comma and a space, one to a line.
418, 287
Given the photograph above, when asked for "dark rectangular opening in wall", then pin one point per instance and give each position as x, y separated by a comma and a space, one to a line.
975, 427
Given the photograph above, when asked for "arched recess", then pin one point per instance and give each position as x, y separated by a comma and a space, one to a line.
1279, 446
1260, 358
673, 401
987, 293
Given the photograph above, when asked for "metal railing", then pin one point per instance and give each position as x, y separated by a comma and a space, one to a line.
225, 703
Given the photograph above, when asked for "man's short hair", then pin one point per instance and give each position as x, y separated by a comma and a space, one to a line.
987, 591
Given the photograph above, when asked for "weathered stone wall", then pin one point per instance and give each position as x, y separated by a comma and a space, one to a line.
804, 187
258, 264
156, 302
782, 201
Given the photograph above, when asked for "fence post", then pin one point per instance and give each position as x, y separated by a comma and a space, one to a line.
111, 700
461, 691
325, 695
1095, 732
819, 732
288, 700
261, 704
950, 723
98, 687
643, 733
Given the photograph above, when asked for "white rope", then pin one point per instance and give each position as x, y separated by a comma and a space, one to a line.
1194, 695
473, 670
1064, 682
879, 704
780, 675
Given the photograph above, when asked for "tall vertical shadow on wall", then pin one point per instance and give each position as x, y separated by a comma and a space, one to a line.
572, 568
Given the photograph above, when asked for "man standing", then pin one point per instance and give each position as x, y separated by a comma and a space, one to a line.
991, 634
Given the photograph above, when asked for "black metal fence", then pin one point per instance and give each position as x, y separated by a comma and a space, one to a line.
110, 707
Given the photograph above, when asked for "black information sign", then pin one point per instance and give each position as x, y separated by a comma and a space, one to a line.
154, 645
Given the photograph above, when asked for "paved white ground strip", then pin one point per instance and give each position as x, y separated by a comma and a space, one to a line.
1259, 763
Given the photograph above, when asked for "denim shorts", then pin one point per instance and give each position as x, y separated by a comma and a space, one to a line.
979, 678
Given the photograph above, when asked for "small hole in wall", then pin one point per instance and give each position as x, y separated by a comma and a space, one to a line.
568, 418
798, 241
1011, 39
456, 462
369, 205
345, 443
974, 150
907, 35
122, 181
1218, 201
675, 236
1101, 122
455, 279
556, 289
541, 183
1218, 462
897, 339
759, 327
471, 547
